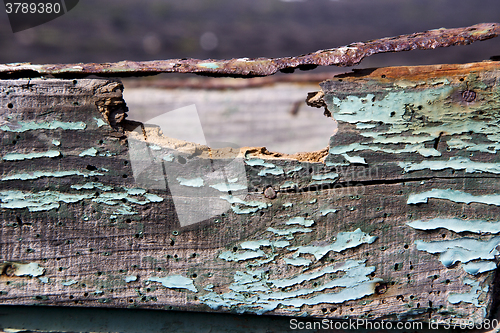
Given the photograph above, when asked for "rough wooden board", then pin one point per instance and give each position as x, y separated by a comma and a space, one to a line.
103, 242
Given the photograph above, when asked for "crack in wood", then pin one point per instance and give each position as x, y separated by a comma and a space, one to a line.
357, 183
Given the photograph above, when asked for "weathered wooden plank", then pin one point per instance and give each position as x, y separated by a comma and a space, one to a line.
120, 216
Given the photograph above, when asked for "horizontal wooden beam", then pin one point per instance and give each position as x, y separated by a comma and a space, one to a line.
349, 55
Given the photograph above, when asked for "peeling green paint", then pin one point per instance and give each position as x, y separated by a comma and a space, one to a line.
99, 122
241, 256
253, 291
455, 196
297, 261
89, 152
252, 206
56, 174
288, 184
130, 278
56, 142
324, 178
477, 267
287, 232
491, 148
325, 212
471, 297
301, 221
44, 279
48, 200
30, 156
354, 159
271, 171
456, 163
175, 282
345, 240
135, 191
28, 126
111, 198
297, 168
41, 201
282, 283
91, 186
287, 204
420, 148
69, 282
256, 244
331, 175
116, 197
153, 197
193, 182
457, 225
462, 249
362, 126
259, 162
107, 154
168, 157
20, 269
413, 117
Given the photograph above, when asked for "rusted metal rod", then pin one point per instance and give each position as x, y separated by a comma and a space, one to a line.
349, 55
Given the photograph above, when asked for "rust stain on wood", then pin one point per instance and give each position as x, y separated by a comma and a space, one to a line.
349, 55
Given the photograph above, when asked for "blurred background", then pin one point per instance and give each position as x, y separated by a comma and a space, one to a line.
114, 30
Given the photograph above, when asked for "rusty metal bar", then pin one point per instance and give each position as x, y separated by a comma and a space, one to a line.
349, 55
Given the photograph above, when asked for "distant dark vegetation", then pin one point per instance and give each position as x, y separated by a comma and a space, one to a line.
113, 30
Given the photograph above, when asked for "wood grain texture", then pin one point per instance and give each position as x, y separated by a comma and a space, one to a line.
119, 216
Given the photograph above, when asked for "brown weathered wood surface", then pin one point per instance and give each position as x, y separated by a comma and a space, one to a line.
100, 211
